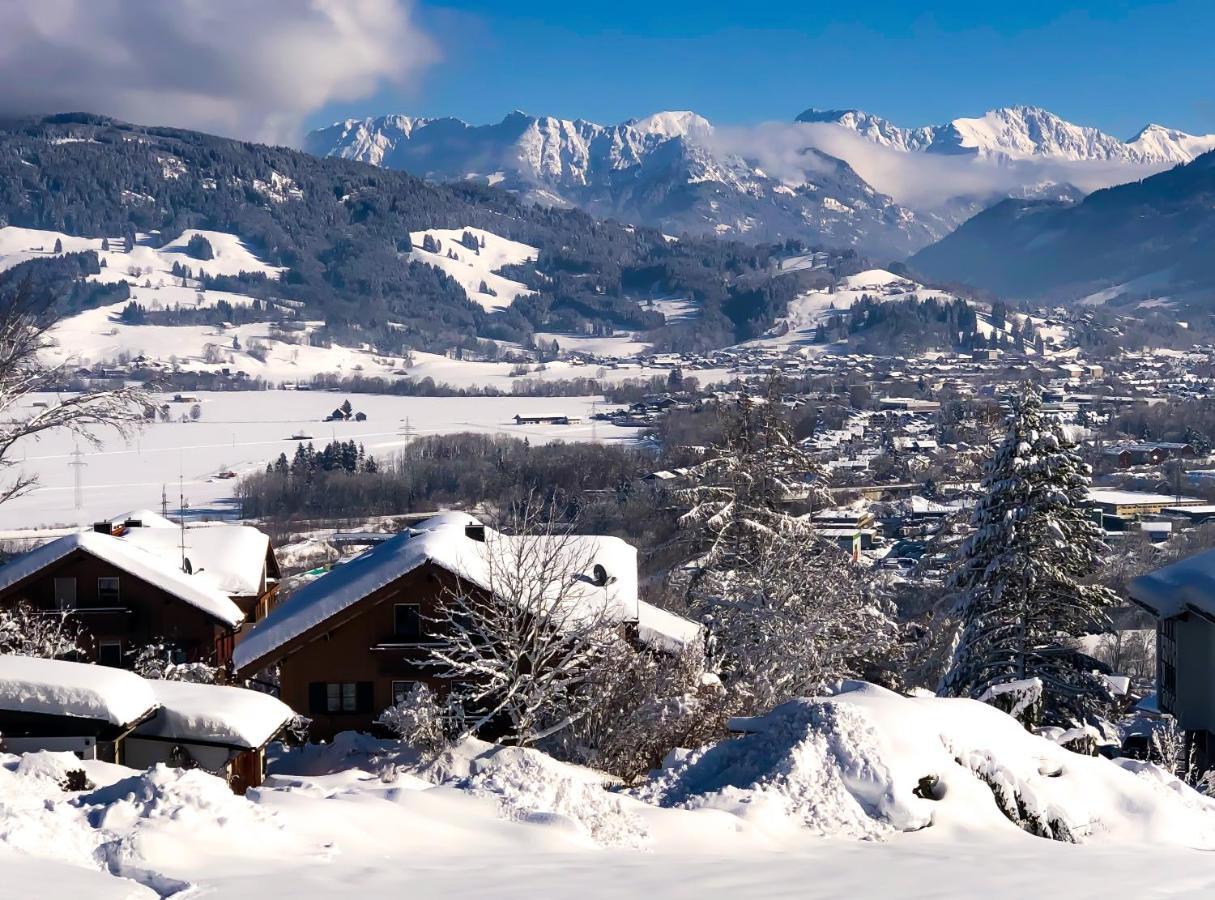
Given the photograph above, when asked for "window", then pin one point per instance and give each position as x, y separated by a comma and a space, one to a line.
107, 591
337, 697
109, 653
407, 621
401, 690
65, 593
1166, 662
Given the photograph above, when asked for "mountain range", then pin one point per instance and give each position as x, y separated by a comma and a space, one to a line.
834, 178
1021, 133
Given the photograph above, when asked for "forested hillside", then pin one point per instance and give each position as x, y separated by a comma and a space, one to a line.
340, 230
1147, 239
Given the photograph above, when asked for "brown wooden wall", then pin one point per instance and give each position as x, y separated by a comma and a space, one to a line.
145, 612
347, 654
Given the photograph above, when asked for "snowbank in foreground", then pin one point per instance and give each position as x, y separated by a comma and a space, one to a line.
919, 775
867, 763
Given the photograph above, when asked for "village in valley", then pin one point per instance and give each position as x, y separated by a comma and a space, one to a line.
793, 503
719, 534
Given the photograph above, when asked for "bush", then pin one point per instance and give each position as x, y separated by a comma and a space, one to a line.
420, 721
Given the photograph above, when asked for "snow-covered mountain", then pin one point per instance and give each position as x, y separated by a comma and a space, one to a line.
1021, 132
676, 171
668, 170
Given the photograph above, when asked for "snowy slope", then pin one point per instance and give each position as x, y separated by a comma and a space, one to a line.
806, 311
470, 268
232, 255
98, 336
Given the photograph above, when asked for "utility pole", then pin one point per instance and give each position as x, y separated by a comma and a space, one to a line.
164, 502
78, 465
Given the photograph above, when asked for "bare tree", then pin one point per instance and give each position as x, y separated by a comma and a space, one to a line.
519, 636
47, 634
25, 320
796, 617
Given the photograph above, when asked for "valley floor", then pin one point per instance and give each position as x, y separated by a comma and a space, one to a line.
241, 432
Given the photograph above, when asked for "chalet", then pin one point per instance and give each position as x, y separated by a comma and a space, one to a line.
353, 642
1181, 597
142, 579
103, 713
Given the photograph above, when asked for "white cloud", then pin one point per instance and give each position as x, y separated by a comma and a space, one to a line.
246, 68
921, 181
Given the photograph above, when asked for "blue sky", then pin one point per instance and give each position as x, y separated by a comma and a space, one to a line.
1118, 64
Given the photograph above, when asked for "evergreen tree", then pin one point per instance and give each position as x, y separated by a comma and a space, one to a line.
1020, 577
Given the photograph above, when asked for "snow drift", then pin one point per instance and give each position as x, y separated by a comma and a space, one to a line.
867, 763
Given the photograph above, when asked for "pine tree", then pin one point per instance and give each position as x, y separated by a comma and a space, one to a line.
1020, 577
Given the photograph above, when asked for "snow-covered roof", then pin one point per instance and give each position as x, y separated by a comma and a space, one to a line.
214, 714
230, 557
130, 558
442, 540
59, 688
1186, 584
1133, 498
145, 517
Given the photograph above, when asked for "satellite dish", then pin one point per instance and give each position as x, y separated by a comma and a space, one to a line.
187, 566
599, 576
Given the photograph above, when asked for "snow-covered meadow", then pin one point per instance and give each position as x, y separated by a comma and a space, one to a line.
241, 431
824, 798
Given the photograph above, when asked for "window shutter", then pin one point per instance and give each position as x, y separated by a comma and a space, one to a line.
366, 696
316, 697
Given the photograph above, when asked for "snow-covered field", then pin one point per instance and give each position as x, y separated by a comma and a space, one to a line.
242, 431
820, 802
622, 345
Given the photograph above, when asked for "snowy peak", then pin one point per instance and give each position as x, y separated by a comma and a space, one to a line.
1159, 142
1021, 132
669, 170
672, 124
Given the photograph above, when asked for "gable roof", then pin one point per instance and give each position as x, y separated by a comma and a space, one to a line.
1188, 584
77, 690
230, 557
442, 540
129, 558
212, 713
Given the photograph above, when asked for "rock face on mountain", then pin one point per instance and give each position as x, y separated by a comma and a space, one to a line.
1150, 237
1021, 132
677, 172
667, 170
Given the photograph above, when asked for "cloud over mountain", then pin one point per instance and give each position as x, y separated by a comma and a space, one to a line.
922, 181
248, 69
